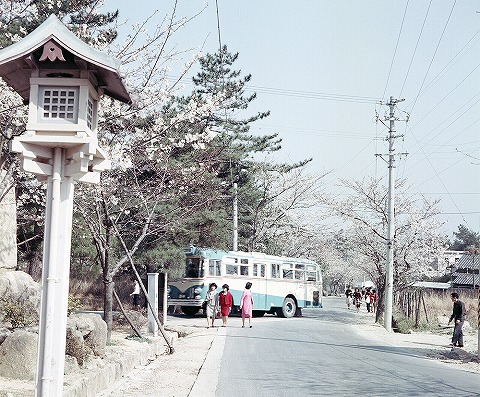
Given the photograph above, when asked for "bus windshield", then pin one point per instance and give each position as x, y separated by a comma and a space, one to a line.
194, 268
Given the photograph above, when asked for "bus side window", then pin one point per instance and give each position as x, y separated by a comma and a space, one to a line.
258, 270
287, 271
299, 274
311, 276
232, 270
243, 270
275, 270
214, 267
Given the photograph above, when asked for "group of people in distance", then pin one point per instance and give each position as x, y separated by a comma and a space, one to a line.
370, 297
220, 304
358, 296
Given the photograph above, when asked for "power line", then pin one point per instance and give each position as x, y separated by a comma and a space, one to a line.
434, 55
415, 50
298, 93
450, 64
395, 51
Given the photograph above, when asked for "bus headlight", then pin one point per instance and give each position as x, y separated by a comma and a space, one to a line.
197, 290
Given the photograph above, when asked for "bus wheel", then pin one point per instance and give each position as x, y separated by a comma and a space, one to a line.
288, 308
190, 310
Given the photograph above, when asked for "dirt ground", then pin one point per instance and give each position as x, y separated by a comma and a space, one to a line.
434, 346
179, 371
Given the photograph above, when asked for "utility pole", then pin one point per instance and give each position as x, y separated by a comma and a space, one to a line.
391, 213
235, 216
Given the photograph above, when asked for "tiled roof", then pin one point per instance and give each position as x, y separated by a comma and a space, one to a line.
16, 71
467, 271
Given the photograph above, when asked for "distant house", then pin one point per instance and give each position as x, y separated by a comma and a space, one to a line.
447, 261
431, 285
465, 273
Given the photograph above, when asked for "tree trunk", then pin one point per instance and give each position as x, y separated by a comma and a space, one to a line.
108, 304
380, 283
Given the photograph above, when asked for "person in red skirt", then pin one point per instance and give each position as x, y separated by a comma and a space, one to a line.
226, 303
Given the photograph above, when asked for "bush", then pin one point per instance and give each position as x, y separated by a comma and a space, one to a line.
73, 304
19, 312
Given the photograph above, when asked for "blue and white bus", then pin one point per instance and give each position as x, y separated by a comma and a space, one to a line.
280, 284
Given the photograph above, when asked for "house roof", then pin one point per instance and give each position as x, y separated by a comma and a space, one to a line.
15, 67
467, 271
431, 285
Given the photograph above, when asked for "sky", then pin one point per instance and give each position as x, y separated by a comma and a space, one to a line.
325, 69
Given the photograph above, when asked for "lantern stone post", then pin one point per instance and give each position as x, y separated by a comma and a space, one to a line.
62, 79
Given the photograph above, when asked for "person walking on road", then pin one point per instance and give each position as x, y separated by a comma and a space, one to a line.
226, 303
357, 299
246, 304
212, 304
348, 294
458, 315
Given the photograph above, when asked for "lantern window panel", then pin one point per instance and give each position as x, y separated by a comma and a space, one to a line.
90, 110
59, 104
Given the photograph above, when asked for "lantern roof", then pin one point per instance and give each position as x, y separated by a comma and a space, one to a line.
19, 59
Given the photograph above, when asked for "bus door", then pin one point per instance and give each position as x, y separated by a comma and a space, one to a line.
302, 290
260, 286
314, 290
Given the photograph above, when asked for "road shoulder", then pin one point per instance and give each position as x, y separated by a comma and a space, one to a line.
426, 344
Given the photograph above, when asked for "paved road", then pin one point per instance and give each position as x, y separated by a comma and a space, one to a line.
319, 355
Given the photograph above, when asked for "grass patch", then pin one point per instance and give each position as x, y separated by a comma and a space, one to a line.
138, 339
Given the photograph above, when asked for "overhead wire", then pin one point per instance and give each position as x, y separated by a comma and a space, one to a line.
298, 93
395, 51
420, 91
433, 57
452, 62
415, 50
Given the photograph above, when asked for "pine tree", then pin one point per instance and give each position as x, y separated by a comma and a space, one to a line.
465, 238
233, 146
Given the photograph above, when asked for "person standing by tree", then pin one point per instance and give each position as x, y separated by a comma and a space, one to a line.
374, 301
226, 303
458, 315
368, 299
136, 294
246, 304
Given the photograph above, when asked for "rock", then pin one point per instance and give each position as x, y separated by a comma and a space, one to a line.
97, 339
20, 287
71, 365
86, 334
18, 355
75, 345
4, 332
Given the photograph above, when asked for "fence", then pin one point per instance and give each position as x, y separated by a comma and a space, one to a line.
423, 303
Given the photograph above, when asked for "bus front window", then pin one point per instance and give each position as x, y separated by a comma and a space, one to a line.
194, 268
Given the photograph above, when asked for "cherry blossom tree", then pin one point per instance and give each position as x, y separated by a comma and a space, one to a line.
417, 239
282, 217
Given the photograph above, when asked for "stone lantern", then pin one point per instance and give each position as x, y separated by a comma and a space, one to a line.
62, 79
